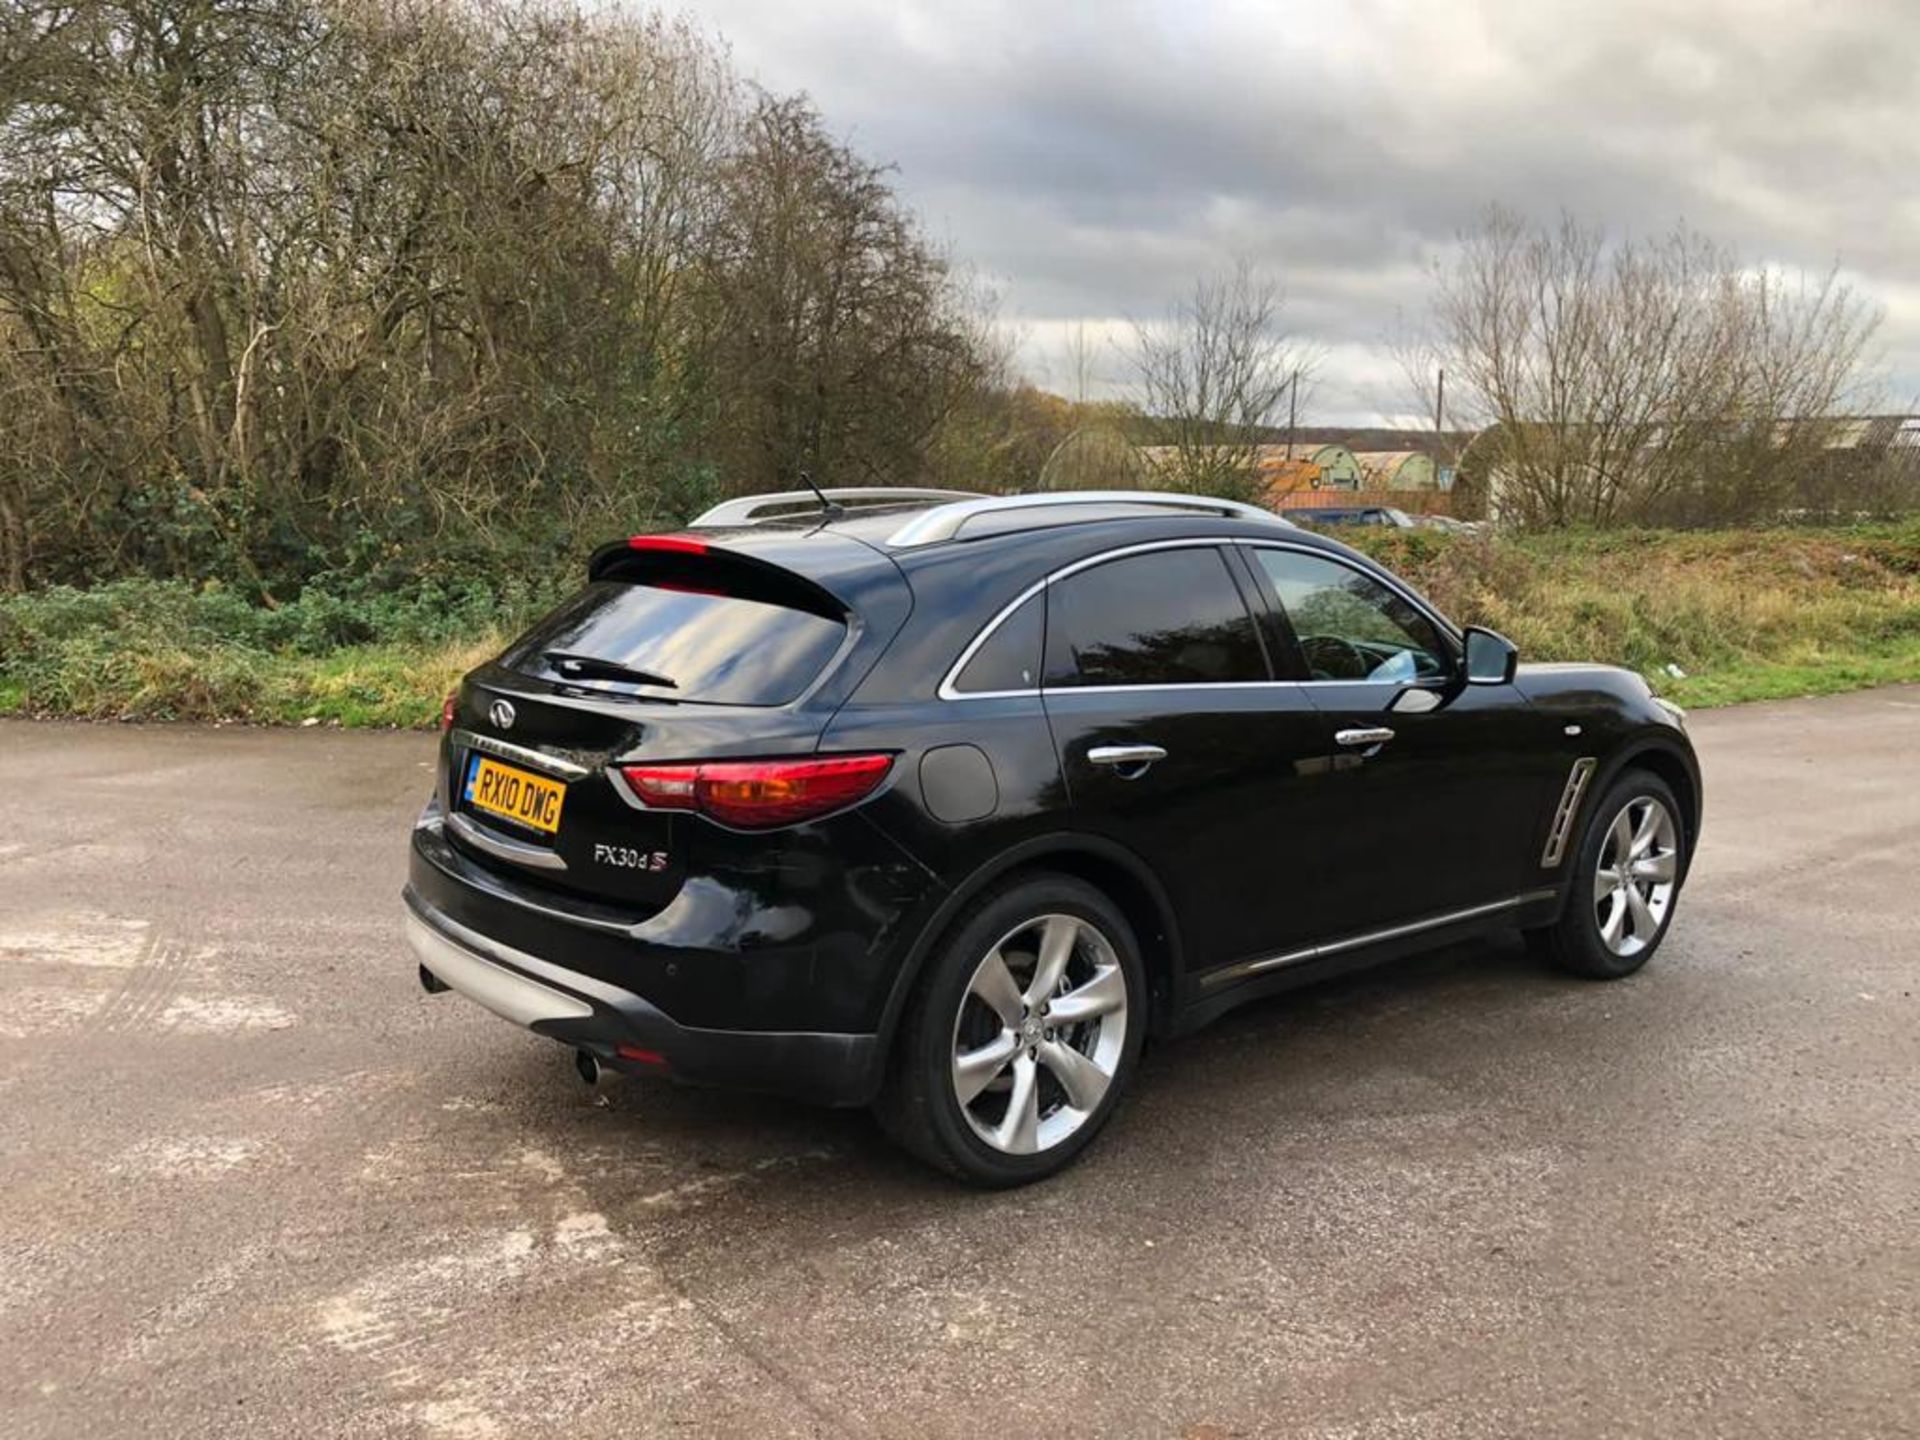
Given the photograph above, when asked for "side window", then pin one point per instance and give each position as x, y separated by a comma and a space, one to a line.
1164, 617
1009, 658
1349, 625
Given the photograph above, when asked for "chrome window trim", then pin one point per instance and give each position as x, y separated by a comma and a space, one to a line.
944, 522
1248, 968
533, 759
948, 685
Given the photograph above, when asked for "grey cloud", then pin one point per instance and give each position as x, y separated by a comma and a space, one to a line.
1091, 158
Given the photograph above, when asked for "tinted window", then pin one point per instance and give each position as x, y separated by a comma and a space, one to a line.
1168, 617
1349, 625
661, 642
1009, 658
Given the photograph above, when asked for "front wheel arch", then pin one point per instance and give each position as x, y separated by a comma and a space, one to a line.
1663, 758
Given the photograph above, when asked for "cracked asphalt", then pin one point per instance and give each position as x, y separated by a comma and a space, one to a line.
256, 1183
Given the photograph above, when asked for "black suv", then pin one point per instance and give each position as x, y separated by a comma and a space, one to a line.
946, 803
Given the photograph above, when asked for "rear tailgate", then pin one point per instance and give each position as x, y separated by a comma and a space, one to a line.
669, 655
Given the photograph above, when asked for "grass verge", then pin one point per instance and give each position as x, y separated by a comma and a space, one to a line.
1710, 618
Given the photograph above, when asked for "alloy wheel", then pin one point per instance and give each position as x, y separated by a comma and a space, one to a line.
1634, 882
1039, 1034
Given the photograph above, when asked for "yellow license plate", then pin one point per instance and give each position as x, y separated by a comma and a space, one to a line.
526, 799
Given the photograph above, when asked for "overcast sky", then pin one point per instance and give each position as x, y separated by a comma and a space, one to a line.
1089, 159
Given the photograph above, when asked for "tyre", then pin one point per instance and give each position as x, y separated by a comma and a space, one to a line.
1021, 1035
1624, 883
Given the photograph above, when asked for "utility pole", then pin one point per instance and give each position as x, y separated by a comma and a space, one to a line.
1439, 404
1293, 407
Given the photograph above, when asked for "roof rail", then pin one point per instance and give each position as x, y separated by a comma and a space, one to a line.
749, 508
945, 521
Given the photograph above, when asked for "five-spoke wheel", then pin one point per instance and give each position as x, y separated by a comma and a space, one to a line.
1039, 1034
1021, 1033
1634, 882
1624, 878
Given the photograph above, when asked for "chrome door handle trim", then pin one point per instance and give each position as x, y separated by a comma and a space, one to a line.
1375, 735
536, 856
1125, 754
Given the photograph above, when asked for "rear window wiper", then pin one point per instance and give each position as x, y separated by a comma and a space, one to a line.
592, 667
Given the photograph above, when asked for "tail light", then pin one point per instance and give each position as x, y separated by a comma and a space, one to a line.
673, 544
759, 794
447, 707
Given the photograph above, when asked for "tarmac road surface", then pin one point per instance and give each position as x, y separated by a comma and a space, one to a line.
256, 1183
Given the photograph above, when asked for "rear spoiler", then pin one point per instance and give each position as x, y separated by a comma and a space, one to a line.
689, 563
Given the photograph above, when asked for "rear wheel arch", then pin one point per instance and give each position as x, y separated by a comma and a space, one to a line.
1110, 868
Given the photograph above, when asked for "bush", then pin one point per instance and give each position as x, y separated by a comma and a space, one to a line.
163, 649
1742, 613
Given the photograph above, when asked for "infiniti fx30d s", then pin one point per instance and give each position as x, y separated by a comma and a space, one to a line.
945, 804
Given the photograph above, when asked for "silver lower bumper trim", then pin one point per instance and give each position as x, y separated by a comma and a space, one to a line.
505, 992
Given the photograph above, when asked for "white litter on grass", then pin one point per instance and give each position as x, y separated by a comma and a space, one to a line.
222, 1013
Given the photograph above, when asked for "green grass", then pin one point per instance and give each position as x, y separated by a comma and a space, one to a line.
145, 650
1746, 615
1783, 680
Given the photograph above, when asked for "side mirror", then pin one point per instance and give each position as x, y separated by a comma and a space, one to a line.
1491, 658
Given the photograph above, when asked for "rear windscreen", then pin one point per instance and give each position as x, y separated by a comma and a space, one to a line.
665, 642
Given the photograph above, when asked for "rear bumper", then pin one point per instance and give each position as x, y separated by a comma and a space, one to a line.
589, 1013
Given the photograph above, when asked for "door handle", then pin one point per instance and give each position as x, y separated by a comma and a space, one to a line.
1375, 735
1122, 757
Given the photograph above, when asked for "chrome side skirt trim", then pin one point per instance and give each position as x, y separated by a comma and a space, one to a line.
535, 856
1569, 807
1247, 968
533, 759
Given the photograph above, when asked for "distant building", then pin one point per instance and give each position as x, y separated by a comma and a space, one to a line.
1847, 462
1397, 470
1339, 468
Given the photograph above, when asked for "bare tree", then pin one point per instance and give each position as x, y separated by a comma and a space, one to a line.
1634, 379
287, 285
1213, 378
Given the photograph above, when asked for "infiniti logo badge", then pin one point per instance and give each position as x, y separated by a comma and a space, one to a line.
501, 713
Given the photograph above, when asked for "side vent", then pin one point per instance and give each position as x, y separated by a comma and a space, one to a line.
1569, 807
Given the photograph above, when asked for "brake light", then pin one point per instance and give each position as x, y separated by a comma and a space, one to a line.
447, 707
677, 544
759, 794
